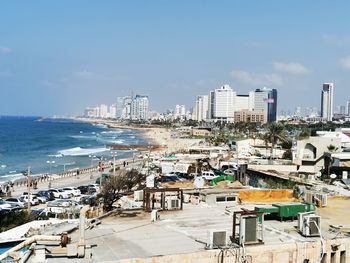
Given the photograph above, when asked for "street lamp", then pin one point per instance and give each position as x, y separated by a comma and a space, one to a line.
65, 164
50, 163
92, 158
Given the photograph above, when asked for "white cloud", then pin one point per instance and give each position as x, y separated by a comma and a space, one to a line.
257, 79
345, 62
291, 68
337, 40
5, 49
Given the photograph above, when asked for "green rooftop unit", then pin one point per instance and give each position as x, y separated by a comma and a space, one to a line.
287, 210
292, 210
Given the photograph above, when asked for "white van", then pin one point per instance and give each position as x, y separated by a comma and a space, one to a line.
208, 175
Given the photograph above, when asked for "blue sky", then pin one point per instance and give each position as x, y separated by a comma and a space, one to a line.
57, 57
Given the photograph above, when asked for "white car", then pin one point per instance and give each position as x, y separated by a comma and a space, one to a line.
73, 190
42, 199
60, 193
95, 186
4, 205
63, 206
14, 201
208, 175
33, 199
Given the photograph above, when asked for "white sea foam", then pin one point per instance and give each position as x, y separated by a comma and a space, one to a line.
77, 151
110, 140
112, 131
84, 137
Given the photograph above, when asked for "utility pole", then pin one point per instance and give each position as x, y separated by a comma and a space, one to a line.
114, 154
28, 185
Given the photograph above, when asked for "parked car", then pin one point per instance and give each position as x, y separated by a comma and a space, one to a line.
49, 195
60, 193
63, 206
185, 176
33, 199
4, 204
170, 178
230, 172
95, 186
73, 190
14, 201
208, 175
88, 200
85, 189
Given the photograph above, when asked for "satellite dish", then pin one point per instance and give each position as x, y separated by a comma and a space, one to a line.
199, 182
333, 176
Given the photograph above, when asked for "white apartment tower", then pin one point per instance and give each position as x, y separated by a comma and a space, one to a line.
327, 101
180, 111
139, 108
202, 108
222, 103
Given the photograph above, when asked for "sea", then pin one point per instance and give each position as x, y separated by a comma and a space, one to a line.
57, 145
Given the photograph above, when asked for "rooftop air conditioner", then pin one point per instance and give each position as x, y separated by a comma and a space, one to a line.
173, 203
138, 196
321, 200
216, 239
248, 230
309, 224
309, 197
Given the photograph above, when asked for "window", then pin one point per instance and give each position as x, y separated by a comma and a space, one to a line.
220, 199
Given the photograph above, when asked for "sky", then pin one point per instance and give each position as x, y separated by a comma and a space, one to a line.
58, 57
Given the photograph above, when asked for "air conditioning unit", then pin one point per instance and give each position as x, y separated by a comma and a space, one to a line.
309, 224
248, 229
173, 203
309, 197
138, 196
321, 200
216, 239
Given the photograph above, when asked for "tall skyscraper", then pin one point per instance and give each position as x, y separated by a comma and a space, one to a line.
222, 103
139, 108
265, 100
202, 107
327, 101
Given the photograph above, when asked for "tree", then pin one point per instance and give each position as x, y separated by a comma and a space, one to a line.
115, 185
332, 148
275, 133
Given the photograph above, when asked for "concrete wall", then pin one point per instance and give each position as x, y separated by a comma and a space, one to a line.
282, 253
282, 168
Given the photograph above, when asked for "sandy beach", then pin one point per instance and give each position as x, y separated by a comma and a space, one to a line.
160, 138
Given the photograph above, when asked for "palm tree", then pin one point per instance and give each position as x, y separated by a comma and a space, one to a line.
275, 132
332, 148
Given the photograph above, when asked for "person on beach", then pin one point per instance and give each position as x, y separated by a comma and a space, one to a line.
124, 163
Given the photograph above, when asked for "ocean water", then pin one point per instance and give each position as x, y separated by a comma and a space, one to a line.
57, 144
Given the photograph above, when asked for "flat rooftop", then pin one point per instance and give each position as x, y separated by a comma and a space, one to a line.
131, 234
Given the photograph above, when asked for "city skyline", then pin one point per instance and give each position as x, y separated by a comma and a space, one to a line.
171, 51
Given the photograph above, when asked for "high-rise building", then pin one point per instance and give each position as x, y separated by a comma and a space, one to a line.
113, 111
103, 111
327, 101
202, 108
139, 108
119, 107
180, 111
221, 104
265, 100
347, 110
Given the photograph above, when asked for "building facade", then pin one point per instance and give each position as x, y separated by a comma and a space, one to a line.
327, 101
139, 108
222, 103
